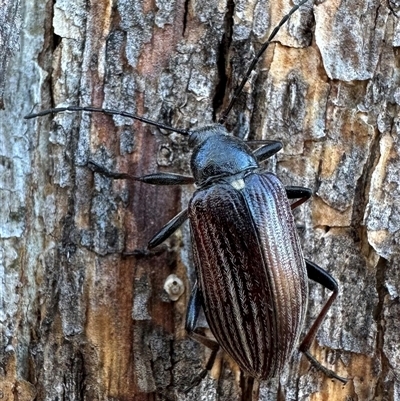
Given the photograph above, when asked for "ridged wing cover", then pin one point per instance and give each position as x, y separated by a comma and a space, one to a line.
251, 271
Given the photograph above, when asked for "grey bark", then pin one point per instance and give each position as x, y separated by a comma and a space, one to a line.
81, 322
10, 25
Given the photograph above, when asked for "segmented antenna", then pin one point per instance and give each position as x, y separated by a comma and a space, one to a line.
106, 111
255, 60
166, 127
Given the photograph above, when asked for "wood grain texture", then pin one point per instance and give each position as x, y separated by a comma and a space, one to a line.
80, 322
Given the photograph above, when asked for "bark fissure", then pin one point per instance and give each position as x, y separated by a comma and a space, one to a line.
222, 62
385, 377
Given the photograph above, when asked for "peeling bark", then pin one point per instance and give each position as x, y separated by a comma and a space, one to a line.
79, 320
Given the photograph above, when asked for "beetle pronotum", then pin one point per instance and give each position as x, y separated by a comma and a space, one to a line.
251, 273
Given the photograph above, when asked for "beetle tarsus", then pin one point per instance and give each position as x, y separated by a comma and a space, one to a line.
145, 253
327, 372
154, 179
168, 229
196, 381
96, 168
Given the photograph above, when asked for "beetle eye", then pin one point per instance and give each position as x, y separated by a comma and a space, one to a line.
194, 139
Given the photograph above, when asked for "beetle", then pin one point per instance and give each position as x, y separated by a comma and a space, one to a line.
251, 273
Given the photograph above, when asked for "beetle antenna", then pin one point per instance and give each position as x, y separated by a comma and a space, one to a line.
255, 60
106, 111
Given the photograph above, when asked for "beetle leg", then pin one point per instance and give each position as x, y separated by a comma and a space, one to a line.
267, 150
145, 253
154, 179
166, 179
193, 309
298, 192
192, 315
168, 229
322, 277
300, 228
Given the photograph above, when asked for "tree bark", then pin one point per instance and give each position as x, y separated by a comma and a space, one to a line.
79, 319
10, 25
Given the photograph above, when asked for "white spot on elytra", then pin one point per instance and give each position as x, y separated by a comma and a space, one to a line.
238, 184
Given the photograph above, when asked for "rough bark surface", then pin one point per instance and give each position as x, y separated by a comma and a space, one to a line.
79, 321
10, 24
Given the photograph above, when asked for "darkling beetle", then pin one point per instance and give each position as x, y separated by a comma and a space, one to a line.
251, 272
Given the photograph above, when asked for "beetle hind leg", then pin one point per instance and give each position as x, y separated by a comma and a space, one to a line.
322, 277
210, 363
192, 314
327, 372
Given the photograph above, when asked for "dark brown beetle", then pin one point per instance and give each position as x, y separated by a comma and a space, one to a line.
251, 273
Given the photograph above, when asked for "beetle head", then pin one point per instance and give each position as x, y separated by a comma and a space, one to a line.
218, 154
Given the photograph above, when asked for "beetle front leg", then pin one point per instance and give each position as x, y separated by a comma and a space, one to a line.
192, 315
168, 229
322, 277
154, 179
302, 193
160, 237
266, 151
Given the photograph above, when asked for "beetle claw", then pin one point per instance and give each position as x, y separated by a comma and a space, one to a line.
329, 373
145, 253
196, 381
